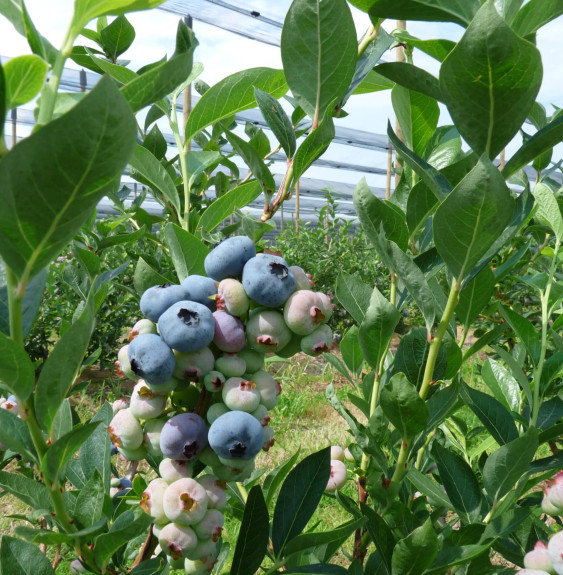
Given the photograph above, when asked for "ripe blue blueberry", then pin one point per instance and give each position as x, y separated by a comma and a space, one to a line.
187, 326
183, 436
199, 289
157, 299
151, 359
227, 259
268, 280
236, 435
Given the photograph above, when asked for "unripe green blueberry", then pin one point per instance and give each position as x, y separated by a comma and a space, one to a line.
240, 395
261, 414
216, 490
197, 567
125, 430
151, 436
192, 366
185, 502
292, 348
254, 359
547, 506
186, 396
266, 331
171, 469
209, 457
152, 500
336, 452
234, 469
213, 381
76, 568
338, 475
137, 454
177, 540
166, 387
230, 365
231, 297
216, 410
205, 551
539, 558
317, 342
268, 438
268, 388
124, 365
142, 326
211, 526
145, 403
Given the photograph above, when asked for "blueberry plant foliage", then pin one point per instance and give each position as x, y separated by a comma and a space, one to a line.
456, 218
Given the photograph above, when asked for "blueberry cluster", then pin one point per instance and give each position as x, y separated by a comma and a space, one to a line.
202, 394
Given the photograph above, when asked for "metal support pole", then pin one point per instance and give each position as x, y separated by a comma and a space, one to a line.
83, 80
14, 126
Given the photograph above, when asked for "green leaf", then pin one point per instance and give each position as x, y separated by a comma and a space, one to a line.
339, 365
155, 143
60, 452
318, 64
452, 556
535, 14
314, 146
377, 328
490, 81
14, 434
459, 481
351, 350
51, 181
425, 10
375, 214
62, 366
227, 204
125, 528
503, 525
24, 77
403, 406
516, 371
146, 165
548, 210
436, 181
413, 554
298, 498
86, 10
429, 488
95, 453
354, 295
442, 404
256, 164
16, 369
525, 330
276, 476
277, 120
159, 81
187, 251
496, 418
120, 73
505, 466
233, 94
117, 37
19, 557
199, 162
417, 115
318, 569
381, 534
373, 82
472, 217
252, 540
63, 420
436, 48
503, 386
31, 492
145, 277
474, 296
412, 78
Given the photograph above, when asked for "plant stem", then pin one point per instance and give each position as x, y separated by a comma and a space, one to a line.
369, 37
15, 298
242, 490
544, 325
182, 154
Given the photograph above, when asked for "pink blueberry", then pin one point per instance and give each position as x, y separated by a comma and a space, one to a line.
192, 366
177, 540
317, 342
336, 452
555, 550
145, 403
338, 475
185, 501
304, 312
539, 558
211, 526
216, 490
125, 430
231, 297
266, 331
240, 394
171, 469
152, 500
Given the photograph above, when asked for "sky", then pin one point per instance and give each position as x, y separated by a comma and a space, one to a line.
223, 53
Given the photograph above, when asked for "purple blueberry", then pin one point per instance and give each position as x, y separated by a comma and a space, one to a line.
183, 436
187, 326
268, 280
200, 289
236, 435
157, 299
229, 332
151, 359
227, 259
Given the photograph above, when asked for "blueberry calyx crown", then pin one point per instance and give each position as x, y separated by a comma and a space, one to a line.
279, 270
238, 449
188, 316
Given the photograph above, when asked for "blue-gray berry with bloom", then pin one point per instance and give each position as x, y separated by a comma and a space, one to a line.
151, 359
187, 326
200, 289
228, 258
268, 280
157, 299
236, 435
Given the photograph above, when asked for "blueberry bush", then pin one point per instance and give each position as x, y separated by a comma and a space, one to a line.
461, 237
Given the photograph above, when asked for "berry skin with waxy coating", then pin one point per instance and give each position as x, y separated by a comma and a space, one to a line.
229, 335
240, 395
132, 454
228, 258
142, 326
555, 492
205, 551
538, 558
268, 388
123, 364
266, 331
200, 289
172, 469
193, 366
216, 490
317, 342
214, 381
261, 414
268, 280
268, 438
152, 500
555, 550
118, 405
304, 312
183, 436
187, 326
234, 469
336, 452
338, 476
302, 280
236, 435
232, 298
211, 526
216, 410
185, 502
230, 365
157, 299
253, 359
145, 403
177, 540
151, 436
125, 430
151, 359
532, 572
